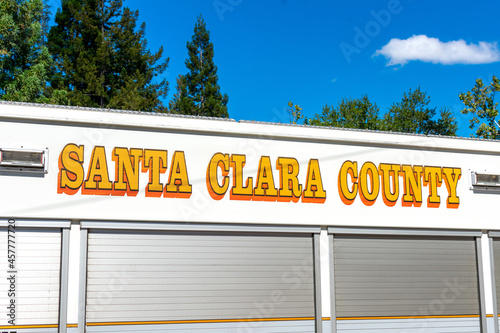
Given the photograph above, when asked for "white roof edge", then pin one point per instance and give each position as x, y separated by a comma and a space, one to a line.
115, 111
224, 126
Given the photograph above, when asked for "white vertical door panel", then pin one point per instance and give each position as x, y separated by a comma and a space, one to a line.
37, 276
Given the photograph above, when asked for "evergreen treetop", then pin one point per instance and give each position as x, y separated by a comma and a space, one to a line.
198, 92
102, 58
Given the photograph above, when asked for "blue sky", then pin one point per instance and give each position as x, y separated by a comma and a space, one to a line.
318, 52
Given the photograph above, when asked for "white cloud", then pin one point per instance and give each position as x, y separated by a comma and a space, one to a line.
427, 49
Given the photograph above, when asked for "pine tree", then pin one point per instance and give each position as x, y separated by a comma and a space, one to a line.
181, 104
198, 92
24, 59
102, 58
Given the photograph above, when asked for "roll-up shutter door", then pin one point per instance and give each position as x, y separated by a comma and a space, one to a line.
406, 283
496, 258
36, 272
244, 282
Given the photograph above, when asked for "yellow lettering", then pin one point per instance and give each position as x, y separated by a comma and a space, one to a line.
97, 181
238, 191
290, 189
368, 193
264, 188
218, 161
347, 195
127, 170
433, 178
314, 191
451, 177
178, 183
412, 185
71, 173
155, 161
390, 172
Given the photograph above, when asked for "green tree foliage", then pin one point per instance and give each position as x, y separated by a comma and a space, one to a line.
181, 104
295, 112
480, 102
102, 58
350, 113
24, 59
198, 92
413, 115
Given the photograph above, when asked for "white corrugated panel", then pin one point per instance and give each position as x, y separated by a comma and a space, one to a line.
37, 273
420, 280
157, 276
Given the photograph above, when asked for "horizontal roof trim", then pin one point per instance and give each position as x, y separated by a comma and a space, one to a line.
34, 223
199, 227
403, 232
